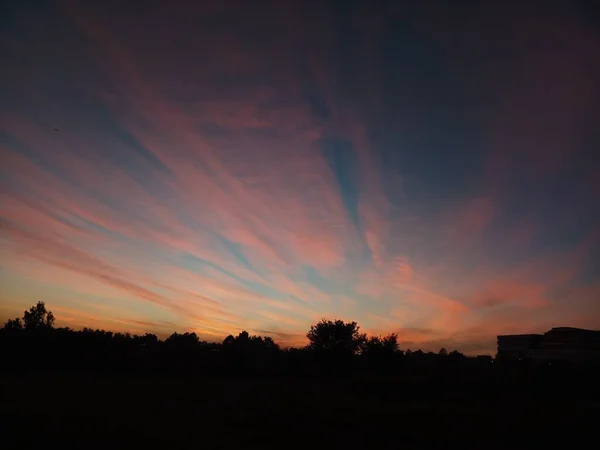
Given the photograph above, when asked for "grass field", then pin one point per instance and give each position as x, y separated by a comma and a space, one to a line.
170, 412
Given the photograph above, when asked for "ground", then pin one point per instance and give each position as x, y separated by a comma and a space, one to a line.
170, 412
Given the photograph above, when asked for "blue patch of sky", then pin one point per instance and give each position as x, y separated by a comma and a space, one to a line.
439, 152
324, 284
199, 265
237, 251
136, 148
341, 158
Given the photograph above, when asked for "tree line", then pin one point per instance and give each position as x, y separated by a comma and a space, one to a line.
335, 348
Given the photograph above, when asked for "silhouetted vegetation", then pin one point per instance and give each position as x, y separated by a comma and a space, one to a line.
335, 349
92, 388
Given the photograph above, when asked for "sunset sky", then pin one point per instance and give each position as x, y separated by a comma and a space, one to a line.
201, 166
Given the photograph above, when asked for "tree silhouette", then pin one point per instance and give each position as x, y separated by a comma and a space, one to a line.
418, 355
147, 341
13, 325
37, 318
378, 344
270, 344
334, 344
454, 354
381, 353
249, 354
338, 336
244, 342
183, 340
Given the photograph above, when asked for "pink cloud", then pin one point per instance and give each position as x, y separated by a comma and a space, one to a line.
529, 295
466, 223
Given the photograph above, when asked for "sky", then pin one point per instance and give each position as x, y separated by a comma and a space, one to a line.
422, 169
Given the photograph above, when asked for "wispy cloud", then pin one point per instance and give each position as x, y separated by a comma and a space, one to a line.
216, 178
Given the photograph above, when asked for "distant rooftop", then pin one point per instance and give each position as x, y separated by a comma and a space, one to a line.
574, 329
554, 329
520, 335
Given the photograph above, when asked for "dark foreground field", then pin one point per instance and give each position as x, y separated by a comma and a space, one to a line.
94, 411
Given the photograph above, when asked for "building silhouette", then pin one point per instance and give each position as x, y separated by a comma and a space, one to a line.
566, 344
